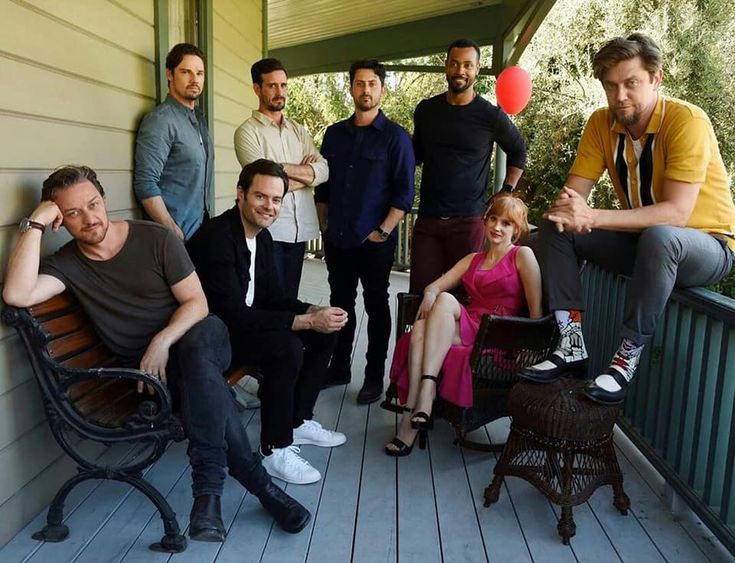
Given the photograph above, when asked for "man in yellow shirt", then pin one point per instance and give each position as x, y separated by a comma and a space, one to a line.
676, 222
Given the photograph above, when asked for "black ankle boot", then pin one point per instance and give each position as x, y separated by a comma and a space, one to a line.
371, 391
205, 521
287, 512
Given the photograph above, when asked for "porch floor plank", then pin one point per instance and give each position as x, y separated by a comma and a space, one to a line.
371, 507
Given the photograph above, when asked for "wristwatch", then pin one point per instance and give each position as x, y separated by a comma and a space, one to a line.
27, 224
383, 234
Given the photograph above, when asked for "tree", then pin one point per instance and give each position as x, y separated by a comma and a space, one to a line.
697, 38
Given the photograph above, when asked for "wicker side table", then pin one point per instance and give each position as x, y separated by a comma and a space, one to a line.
561, 443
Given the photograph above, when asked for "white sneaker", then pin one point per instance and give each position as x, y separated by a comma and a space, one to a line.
286, 464
311, 432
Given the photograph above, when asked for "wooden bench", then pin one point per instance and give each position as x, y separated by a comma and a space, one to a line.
90, 401
502, 347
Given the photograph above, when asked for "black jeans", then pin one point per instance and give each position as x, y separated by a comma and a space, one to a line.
371, 265
288, 258
217, 438
294, 366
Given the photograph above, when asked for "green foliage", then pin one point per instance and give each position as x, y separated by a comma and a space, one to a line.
697, 38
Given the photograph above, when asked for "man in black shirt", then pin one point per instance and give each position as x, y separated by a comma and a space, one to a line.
453, 137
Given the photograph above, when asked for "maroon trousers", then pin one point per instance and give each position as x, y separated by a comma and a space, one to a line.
438, 244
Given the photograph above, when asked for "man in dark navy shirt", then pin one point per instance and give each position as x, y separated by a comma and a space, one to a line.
370, 187
454, 134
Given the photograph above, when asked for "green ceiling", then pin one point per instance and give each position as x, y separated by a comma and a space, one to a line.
321, 45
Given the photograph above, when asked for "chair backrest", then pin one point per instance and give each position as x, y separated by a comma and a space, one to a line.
58, 334
408, 307
504, 345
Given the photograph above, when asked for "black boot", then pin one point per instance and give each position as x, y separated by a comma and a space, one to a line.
371, 391
338, 373
205, 521
288, 513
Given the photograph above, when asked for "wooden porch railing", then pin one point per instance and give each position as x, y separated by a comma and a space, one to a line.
680, 409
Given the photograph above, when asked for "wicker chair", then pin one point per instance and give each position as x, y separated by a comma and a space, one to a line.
503, 346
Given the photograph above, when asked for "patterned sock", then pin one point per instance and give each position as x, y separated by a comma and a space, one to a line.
625, 361
571, 342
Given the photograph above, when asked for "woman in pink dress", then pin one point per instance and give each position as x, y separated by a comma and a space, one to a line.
504, 280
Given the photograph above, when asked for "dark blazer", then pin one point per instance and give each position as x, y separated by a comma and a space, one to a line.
222, 260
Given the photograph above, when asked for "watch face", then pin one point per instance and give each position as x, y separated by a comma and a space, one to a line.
27, 224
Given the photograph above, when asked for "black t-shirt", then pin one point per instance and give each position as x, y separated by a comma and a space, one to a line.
128, 297
454, 143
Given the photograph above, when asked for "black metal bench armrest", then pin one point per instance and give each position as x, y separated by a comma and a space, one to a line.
72, 376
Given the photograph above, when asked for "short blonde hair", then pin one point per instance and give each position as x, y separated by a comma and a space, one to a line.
512, 207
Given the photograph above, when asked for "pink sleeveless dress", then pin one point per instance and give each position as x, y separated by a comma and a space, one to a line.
498, 291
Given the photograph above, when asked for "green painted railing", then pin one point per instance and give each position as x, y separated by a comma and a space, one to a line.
680, 409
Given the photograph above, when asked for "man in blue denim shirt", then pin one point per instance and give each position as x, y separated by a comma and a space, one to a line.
370, 187
174, 155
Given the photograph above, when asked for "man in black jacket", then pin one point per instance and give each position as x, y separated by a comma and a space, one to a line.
288, 340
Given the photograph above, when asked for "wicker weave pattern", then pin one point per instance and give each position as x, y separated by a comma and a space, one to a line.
562, 444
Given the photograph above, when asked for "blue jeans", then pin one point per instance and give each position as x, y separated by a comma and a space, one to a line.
217, 438
657, 259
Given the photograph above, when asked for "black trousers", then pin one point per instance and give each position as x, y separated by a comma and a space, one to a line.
217, 438
370, 264
294, 367
288, 258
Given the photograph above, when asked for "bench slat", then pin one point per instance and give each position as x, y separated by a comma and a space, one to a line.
66, 324
98, 356
73, 343
54, 305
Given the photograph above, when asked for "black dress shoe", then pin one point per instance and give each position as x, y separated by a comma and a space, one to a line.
287, 512
205, 521
604, 397
371, 391
341, 375
561, 367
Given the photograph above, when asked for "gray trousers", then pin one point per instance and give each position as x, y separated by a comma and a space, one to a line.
657, 259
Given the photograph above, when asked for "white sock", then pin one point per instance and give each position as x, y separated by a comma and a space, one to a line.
625, 361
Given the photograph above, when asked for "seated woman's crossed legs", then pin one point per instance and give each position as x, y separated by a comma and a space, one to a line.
431, 338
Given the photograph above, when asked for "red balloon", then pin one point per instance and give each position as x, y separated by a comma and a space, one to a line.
513, 90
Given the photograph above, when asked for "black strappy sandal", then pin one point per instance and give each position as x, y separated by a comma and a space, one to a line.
402, 449
425, 421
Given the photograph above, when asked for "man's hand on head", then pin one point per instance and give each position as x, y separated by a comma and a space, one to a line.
154, 362
48, 213
570, 212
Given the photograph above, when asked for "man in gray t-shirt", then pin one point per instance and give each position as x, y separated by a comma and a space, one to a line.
138, 286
